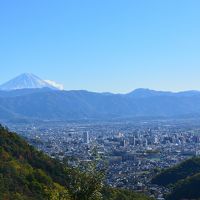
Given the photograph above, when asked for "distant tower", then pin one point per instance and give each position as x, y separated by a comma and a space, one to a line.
145, 142
124, 143
134, 141
86, 138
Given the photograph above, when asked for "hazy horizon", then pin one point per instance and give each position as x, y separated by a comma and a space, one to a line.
61, 87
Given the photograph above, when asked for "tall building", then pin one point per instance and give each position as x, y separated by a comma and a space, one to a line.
86, 138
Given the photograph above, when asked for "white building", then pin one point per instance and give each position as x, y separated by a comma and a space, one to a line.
86, 138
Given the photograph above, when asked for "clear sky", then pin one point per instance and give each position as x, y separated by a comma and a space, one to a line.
103, 45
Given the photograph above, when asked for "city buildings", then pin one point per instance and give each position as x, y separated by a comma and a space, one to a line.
134, 151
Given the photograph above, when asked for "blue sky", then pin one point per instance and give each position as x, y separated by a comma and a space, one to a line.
103, 45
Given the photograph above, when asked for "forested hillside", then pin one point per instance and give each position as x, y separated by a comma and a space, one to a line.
183, 180
26, 173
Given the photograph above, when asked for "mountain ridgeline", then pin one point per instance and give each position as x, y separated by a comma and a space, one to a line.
48, 104
28, 174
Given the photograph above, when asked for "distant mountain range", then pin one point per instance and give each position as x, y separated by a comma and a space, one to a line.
45, 102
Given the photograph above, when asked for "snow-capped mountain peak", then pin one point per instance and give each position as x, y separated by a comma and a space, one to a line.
26, 81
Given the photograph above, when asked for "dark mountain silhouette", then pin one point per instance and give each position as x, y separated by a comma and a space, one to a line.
183, 179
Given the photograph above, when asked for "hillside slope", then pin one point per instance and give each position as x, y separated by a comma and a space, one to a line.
183, 179
26, 173
187, 188
181, 171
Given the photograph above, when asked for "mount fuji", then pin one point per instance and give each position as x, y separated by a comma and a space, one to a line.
27, 81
